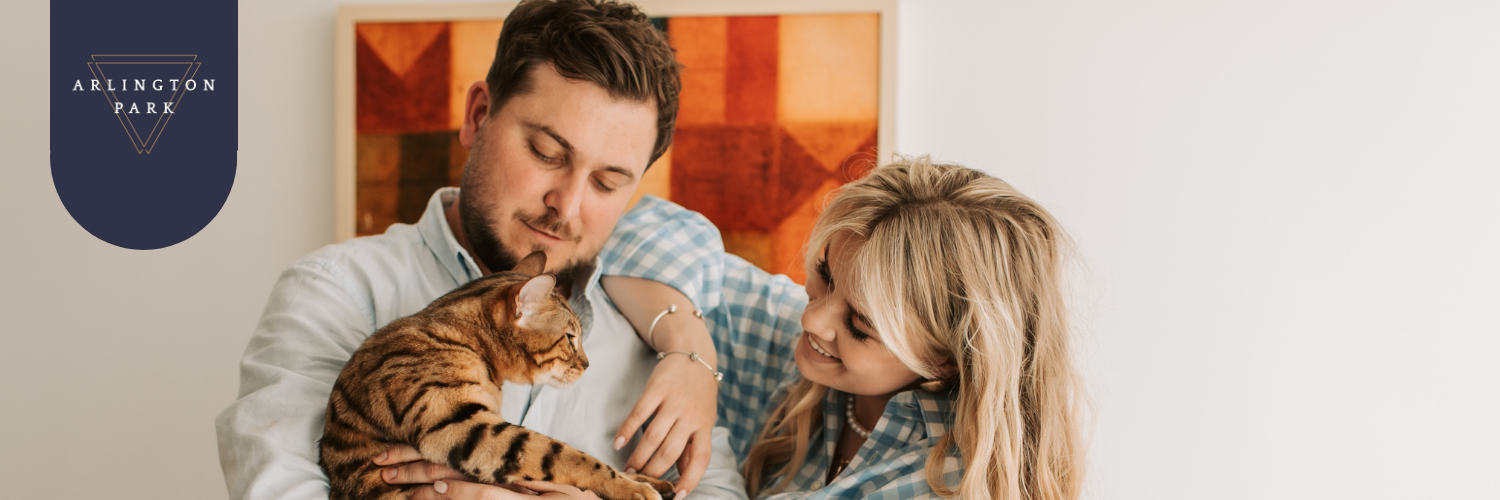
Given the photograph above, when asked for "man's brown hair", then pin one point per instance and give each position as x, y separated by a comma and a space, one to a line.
606, 42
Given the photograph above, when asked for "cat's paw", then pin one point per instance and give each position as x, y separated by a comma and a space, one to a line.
636, 487
663, 488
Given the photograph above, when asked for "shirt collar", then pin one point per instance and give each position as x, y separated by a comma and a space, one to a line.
906, 413
438, 236
935, 409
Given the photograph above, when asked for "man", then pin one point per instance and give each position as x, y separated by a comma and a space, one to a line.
580, 100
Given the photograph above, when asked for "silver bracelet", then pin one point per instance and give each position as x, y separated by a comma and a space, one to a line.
718, 376
651, 332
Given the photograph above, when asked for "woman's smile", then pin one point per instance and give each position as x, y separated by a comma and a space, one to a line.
817, 352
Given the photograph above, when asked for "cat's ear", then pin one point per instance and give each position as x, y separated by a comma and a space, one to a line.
532, 295
533, 264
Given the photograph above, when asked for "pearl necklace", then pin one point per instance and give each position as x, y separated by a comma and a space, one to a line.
854, 425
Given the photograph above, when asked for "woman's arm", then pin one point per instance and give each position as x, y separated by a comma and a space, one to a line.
680, 253
682, 392
642, 300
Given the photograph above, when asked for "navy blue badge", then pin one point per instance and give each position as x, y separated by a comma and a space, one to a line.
145, 105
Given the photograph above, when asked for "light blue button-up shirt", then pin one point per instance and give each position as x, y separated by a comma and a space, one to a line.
326, 304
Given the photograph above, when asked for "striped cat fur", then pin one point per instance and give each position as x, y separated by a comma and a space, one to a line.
432, 381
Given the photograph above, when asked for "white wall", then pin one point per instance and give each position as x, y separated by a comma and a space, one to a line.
1284, 207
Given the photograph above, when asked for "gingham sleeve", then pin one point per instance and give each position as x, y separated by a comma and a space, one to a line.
755, 317
661, 241
756, 330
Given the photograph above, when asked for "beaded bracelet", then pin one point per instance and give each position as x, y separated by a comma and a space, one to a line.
718, 376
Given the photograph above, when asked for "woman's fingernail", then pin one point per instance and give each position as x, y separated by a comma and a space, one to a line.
389, 473
381, 458
440, 486
679, 494
630, 470
619, 442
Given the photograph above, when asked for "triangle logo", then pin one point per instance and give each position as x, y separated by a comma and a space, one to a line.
144, 91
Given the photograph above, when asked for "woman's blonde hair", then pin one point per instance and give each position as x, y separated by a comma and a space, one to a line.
955, 264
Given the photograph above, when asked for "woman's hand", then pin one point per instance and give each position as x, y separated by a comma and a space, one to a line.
682, 396
406, 466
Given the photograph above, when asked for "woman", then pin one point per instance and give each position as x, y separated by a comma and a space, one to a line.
932, 356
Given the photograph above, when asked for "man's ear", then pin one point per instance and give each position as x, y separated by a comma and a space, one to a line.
476, 110
532, 264
531, 295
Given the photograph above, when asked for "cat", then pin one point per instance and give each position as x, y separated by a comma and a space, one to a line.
432, 381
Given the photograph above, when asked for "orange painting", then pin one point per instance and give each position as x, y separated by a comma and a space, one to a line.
775, 112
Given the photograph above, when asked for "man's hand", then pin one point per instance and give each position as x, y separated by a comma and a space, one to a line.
406, 466
448, 489
682, 395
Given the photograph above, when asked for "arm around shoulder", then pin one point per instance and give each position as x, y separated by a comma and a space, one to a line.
661, 241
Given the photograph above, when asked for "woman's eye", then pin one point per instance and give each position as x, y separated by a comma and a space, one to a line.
854, 331
824, 273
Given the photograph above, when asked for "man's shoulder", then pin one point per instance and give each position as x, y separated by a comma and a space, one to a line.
396, 249
654, 217
385, 276
397, 263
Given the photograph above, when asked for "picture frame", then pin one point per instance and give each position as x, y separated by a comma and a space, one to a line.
809, 35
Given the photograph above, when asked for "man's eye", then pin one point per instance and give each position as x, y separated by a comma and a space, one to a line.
604, 187
540, 156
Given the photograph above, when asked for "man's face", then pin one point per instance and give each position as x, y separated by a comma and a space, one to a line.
551, 171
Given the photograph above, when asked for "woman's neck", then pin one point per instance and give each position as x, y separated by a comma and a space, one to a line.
868, 409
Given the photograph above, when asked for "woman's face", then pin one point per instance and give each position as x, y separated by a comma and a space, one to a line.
838, 348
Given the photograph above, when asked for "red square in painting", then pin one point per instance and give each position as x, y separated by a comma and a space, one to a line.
401, 76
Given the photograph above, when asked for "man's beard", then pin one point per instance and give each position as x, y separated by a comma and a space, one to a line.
476, 203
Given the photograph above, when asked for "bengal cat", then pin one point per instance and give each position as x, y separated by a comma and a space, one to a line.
432, 381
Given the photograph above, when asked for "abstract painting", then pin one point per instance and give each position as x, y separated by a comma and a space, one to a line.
777, 110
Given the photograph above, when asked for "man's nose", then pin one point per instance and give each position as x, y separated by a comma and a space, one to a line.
566, 198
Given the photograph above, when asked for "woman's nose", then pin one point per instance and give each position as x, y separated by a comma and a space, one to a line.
818, 321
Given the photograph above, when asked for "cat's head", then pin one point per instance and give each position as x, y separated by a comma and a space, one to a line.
545, 330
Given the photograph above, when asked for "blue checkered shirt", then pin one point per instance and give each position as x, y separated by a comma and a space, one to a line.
755, 318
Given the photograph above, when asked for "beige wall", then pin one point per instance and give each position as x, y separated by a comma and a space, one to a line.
1286, 209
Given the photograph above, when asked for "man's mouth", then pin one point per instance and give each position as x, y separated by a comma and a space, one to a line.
818, 348
559, 234
544, 233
